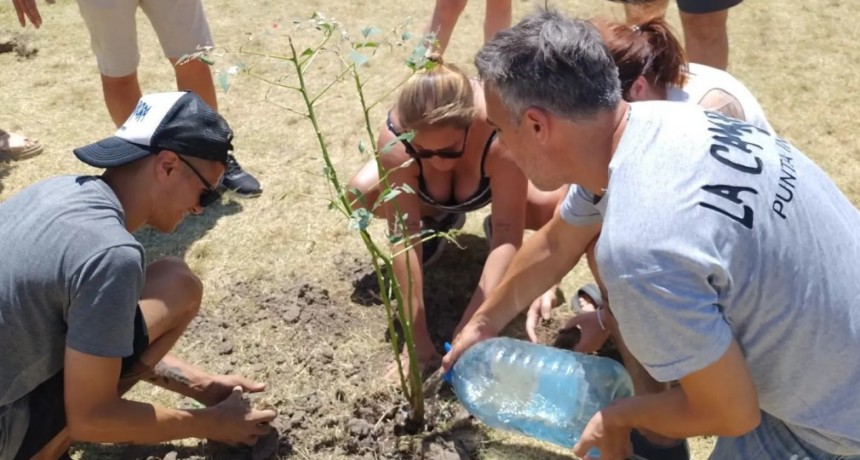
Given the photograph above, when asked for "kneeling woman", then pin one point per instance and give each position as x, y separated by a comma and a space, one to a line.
455, 164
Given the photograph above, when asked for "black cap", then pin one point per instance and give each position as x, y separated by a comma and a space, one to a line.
180, 122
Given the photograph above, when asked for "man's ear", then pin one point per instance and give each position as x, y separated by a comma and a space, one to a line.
537, 124
639, 90
165, 164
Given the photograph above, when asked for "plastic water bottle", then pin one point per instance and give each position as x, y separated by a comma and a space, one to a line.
540, 391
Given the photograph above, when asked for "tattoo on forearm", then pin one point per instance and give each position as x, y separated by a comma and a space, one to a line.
165, 374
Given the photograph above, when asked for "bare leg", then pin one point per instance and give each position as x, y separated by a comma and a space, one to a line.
121, 96
496, 18
169, 301
195, 76
637, 14
445, 16
706, 38
366, 182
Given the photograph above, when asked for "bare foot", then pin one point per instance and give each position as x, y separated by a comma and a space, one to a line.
427, 365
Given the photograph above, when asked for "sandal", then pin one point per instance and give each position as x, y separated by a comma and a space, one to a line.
590, 291
15, 146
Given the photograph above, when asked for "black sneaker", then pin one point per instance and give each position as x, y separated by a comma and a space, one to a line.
433, 248
239, 181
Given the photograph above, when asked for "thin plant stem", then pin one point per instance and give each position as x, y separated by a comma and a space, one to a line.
398, 304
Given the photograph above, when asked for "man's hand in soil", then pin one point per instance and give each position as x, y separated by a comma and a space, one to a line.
233, 422
478, 329
219, 387
180, 377
27, 9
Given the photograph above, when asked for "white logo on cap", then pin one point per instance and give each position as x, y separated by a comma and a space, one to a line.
148, 114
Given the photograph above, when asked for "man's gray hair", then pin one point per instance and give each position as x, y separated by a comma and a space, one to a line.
552, 62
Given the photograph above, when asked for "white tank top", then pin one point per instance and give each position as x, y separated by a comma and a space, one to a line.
701, 79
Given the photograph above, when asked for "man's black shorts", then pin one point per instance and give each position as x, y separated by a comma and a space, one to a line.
47, 410
706, 6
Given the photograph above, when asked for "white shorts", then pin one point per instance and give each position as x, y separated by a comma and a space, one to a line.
180, 25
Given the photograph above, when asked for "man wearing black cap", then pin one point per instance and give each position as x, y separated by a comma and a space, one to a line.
82, 318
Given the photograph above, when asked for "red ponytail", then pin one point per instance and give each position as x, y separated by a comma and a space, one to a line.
649, 49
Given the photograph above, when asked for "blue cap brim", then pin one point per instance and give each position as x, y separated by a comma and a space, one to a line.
111, 152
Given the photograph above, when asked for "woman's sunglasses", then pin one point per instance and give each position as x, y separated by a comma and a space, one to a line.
209, 195
423, 154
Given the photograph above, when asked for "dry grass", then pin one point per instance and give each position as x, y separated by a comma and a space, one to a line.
796, 56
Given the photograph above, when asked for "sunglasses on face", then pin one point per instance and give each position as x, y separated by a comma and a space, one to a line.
423, 154
209, 194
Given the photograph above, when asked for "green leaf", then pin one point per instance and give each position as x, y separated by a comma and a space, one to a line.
367, 45
331, 205
307, 52
362, 148
224, 81
407, 188
359, 196
390, 195
368, 31
360, 219
357, 58
206, 59
407, 136
389, 145
418, 58
405, 36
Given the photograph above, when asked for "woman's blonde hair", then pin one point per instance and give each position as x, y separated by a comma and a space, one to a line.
439, 96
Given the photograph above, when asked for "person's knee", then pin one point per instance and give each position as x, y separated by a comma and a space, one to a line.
125, 81
193, 68
359, 190
183, 283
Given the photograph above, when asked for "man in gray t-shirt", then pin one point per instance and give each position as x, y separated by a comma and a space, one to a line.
729, 257
82, 317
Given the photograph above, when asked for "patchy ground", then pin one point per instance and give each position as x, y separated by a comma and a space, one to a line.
288, 300
18, 43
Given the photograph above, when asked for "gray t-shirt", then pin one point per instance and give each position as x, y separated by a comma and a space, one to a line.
70, 275
713, 230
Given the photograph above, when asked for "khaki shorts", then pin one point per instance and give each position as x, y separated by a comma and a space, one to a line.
180, 25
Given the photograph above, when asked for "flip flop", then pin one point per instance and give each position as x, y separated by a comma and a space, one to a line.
16, 147
590, 291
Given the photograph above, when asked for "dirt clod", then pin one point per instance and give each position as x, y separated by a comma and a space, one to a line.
297, 418
225, 348
292, 314
359, 428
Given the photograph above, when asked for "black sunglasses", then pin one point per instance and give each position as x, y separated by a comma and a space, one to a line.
424, 154
209, 194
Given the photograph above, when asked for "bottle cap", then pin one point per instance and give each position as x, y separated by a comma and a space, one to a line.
448, 377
